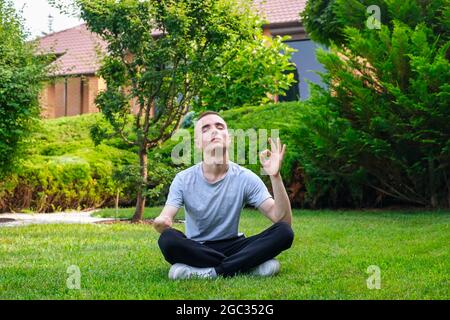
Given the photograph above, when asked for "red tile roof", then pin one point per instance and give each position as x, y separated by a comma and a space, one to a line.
280, 11
77, 47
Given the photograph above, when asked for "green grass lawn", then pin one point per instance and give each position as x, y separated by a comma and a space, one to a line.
328, 260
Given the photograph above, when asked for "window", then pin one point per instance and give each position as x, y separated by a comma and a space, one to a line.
307, 66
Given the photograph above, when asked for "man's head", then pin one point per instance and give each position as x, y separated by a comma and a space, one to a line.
211, 132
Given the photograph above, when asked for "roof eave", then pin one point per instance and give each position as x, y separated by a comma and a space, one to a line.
292, 28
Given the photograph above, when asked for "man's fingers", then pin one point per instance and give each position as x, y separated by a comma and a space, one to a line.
283, 151
264, 154
276, 145
272, 145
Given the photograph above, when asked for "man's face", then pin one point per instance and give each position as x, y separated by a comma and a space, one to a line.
211, 132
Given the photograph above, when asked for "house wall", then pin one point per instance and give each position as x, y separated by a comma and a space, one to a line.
76, 95
70, 96
73, 96
60, 98
47, 101
93, 85
85, 95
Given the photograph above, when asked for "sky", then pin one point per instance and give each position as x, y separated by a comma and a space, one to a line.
36, 12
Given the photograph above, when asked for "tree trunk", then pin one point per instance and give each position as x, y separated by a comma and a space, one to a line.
140, 203
432, 187
117, 203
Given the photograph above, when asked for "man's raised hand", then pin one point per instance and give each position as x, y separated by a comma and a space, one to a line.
271, 159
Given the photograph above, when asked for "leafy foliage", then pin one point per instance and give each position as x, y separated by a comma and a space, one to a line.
21, 76
65, 169
255, 118
160, 54
326, 20
380, 132
249, 74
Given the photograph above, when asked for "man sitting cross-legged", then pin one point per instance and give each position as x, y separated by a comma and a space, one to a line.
213, 193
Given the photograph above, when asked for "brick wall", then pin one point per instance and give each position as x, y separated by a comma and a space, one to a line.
70, 96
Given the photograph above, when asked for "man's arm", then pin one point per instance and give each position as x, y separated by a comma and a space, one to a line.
279, 208
165, 219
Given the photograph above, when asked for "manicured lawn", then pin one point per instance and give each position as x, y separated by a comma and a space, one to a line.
128, 213
328, 260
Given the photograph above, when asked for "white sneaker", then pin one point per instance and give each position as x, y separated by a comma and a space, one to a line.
266, 269
183, 271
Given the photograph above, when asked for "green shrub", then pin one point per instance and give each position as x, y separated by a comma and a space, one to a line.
66, 170
247, 73
281, 116
380, 133
21, 77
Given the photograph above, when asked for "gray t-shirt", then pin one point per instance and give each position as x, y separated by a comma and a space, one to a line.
213, 210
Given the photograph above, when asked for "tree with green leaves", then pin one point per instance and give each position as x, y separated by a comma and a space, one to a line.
327, 20
380, 132
249, 74
21, 77
160, 54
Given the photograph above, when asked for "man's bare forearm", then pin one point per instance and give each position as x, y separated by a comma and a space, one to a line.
165, 219
282, 210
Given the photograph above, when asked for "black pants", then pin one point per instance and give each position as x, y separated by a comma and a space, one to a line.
229, 256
